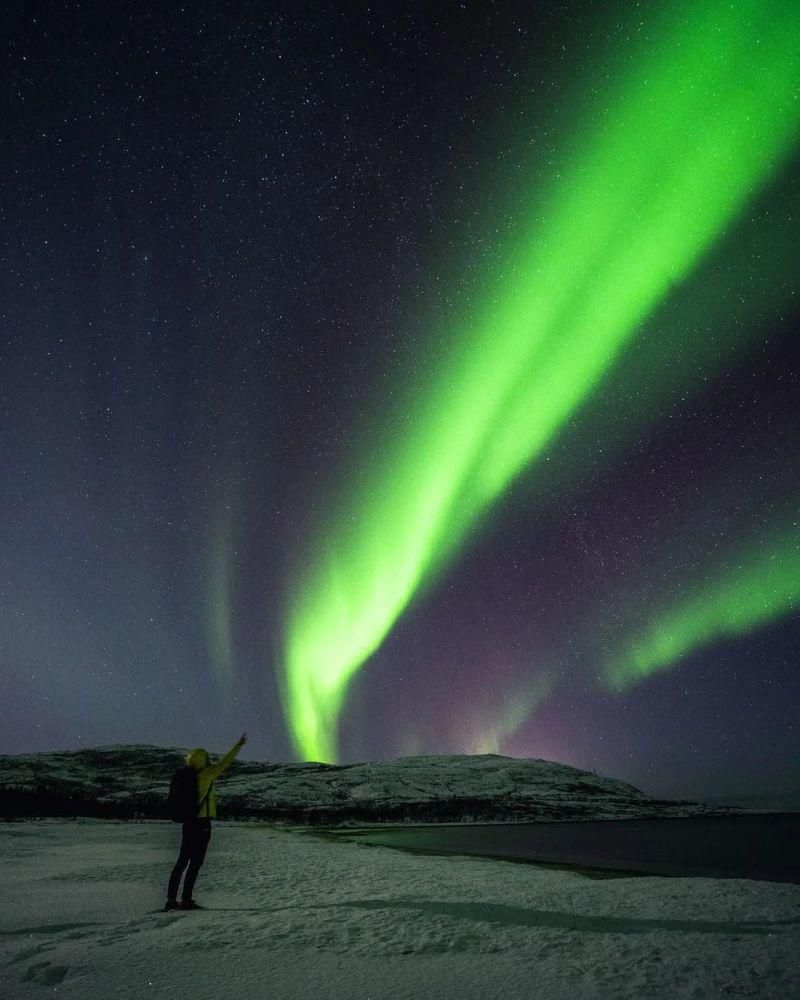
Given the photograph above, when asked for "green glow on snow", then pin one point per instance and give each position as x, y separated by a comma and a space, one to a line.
762, 586
690, 128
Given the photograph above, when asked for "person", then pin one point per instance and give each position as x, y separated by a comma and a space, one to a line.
197, 831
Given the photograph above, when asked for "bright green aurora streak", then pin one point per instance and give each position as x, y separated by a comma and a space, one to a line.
691, 127
762, 585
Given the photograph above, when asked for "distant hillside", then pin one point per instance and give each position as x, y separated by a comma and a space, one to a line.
132, 781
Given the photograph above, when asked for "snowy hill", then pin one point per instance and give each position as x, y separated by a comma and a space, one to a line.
132, 781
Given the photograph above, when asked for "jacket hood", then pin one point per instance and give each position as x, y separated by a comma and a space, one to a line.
197, 758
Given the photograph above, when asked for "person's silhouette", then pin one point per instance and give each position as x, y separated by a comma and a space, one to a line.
197, 831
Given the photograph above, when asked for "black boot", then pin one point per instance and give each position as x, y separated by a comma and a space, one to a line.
190, 904
171, 904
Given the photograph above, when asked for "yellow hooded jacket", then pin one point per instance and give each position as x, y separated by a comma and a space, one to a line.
208, 773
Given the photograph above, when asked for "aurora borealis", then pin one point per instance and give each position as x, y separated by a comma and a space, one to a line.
762, 584
397, 381
626, 221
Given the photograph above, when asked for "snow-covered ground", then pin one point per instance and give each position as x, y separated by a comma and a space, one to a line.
294, 916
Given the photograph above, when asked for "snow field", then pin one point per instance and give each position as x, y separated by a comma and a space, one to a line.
294, 916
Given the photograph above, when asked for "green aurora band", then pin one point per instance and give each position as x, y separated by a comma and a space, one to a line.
762, 585
509, 714
219, 574
690, 129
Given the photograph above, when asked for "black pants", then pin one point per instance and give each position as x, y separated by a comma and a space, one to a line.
196, 835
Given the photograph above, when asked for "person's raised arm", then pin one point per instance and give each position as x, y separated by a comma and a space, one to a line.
215, 770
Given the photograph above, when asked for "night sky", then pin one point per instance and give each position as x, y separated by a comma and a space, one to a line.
404, 378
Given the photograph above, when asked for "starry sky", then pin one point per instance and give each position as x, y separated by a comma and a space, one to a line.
405, 378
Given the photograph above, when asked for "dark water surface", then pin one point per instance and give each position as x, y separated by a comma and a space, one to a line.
765, 846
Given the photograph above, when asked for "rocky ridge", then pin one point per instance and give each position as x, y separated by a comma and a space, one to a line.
129, 782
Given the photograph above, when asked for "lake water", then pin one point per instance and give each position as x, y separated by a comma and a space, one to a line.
763, 846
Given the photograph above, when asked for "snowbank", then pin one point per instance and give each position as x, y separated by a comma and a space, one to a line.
293, 916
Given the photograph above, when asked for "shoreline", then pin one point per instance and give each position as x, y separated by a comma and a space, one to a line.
719, 847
